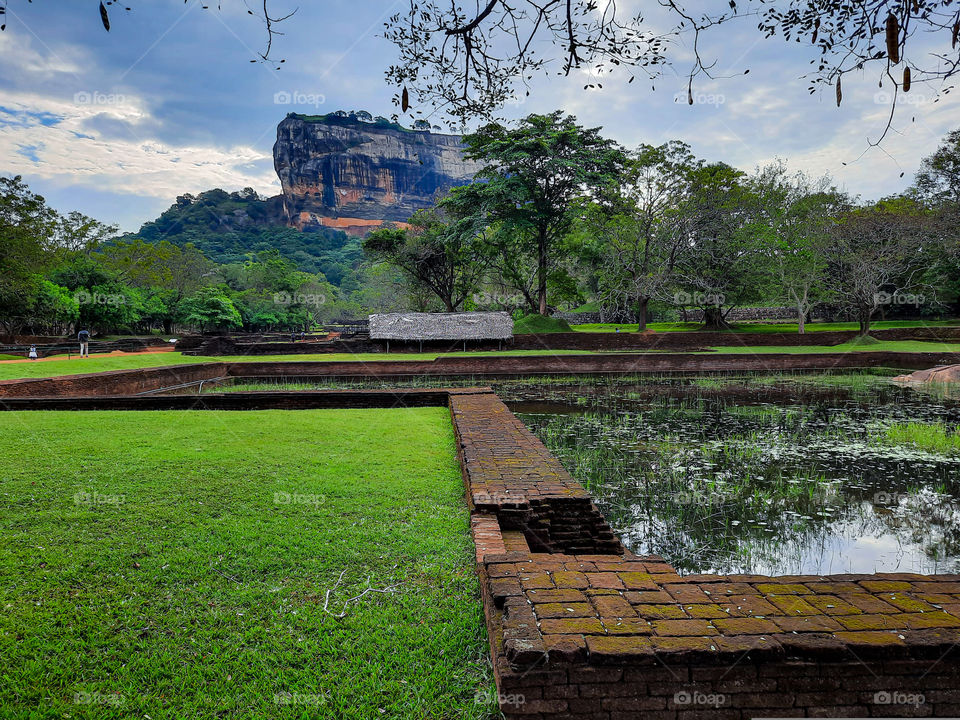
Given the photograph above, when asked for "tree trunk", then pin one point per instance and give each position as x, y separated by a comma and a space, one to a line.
542, 272
801, 320
864, 322
713, 319
642, 314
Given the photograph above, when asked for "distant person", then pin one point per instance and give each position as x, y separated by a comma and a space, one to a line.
303, 336
293, 337
84, 337
33, 352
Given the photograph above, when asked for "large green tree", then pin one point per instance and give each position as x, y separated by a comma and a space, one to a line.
534, 179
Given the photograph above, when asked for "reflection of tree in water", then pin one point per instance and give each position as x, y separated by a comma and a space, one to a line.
738, 488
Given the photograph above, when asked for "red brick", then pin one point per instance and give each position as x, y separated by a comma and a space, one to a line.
605, 580
683, 627
561, 610
567, 579
815, 623
572, 626
745, 626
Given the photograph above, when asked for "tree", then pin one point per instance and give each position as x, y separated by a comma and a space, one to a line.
722, 264
533, 180
27, 229
210, 309
642, 239
77, 232
938, 180
874, 256
801, 215
446, 257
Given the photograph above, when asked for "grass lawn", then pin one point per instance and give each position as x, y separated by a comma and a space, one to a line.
76, 366
763, 327
150, 568
885, 345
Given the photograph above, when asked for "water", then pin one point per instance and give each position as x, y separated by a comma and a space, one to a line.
759, 475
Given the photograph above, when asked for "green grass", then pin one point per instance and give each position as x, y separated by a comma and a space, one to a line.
188, 591
539, 324
934, 437
764, 327
879, 345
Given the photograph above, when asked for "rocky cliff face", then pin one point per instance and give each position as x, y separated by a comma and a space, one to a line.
354, 175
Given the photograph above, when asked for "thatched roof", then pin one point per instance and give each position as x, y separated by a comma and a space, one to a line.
441, 326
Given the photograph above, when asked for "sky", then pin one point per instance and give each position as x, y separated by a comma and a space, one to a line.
118, 124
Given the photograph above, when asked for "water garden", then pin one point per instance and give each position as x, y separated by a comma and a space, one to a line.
773, 474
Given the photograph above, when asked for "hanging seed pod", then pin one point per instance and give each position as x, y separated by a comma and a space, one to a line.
893, 39
689, 96
839, 92
405, 100
906, 79
956, 35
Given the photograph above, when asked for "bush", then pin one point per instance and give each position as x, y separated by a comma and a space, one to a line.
539, 325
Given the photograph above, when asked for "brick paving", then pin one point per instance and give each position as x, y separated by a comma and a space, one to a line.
581, 628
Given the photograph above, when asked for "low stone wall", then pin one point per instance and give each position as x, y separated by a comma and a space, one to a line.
607, 635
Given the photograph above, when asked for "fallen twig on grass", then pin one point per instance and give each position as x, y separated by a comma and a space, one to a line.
343, 612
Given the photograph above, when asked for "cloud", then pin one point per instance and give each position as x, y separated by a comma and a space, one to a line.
79, 133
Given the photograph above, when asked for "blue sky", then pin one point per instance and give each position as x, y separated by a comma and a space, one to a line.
117, 125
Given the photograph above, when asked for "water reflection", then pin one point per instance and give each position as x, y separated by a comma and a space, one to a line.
759, 475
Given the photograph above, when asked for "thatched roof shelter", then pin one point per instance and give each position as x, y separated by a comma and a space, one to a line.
441, 326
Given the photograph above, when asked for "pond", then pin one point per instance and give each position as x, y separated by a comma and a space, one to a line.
812, 473
767, 475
